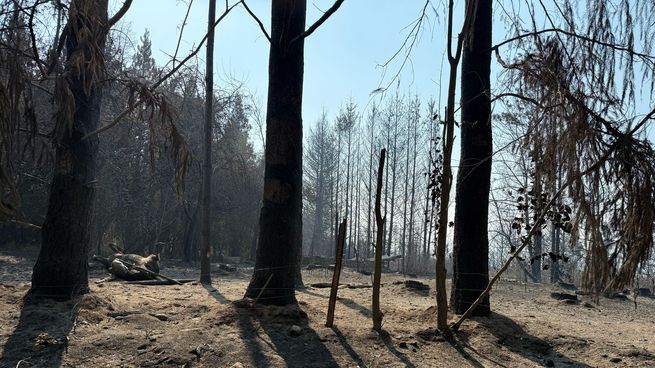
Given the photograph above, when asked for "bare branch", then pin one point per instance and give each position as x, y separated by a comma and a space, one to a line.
407, 45
642, 122
259, 22
319, 22
161, 80
524, 98
179, 39
121, 12
578, 36
35, 50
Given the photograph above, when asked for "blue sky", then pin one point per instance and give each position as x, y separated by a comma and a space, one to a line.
342, 57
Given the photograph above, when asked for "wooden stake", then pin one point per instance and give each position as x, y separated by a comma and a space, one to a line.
337, 273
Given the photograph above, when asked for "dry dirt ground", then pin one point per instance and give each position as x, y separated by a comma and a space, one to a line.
122, 325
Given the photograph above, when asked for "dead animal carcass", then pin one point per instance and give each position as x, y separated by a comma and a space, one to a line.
131, 267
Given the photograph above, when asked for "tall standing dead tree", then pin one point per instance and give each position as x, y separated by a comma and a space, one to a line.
61, 269
471, 242
441, 181
280, 225
379, 248
205, 254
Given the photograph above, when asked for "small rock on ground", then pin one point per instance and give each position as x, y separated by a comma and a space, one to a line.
295, 330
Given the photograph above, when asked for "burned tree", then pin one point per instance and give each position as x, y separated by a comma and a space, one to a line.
62, 267
277, 263
471, 243
205, 253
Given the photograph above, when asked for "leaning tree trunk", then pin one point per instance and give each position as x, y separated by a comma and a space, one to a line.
61, 270
280, 239
471, 242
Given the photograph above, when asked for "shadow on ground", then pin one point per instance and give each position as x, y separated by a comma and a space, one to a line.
512, 336
41, 337
386, 338
348, 348
366, 312
214, 293
266, 331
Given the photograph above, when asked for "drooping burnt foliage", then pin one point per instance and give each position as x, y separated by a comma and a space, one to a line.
583, 99
142, 134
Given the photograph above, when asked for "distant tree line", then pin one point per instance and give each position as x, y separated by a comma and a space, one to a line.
341, 158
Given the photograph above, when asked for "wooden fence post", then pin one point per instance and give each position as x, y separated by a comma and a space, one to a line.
337, 273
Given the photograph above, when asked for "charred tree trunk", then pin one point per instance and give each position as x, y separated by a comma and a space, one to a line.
446, 184
280, 238
205, 254
471, 248
61, 270
379, 238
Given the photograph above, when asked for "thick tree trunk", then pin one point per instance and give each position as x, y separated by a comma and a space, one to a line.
280, 239
61, 270
471, 248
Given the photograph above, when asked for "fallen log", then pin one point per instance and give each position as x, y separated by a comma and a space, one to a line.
416, 285
563, 296
160, 282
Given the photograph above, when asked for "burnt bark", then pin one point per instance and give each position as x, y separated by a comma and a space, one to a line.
471, 242
61, 270
205, 254
280, 239
379, 238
